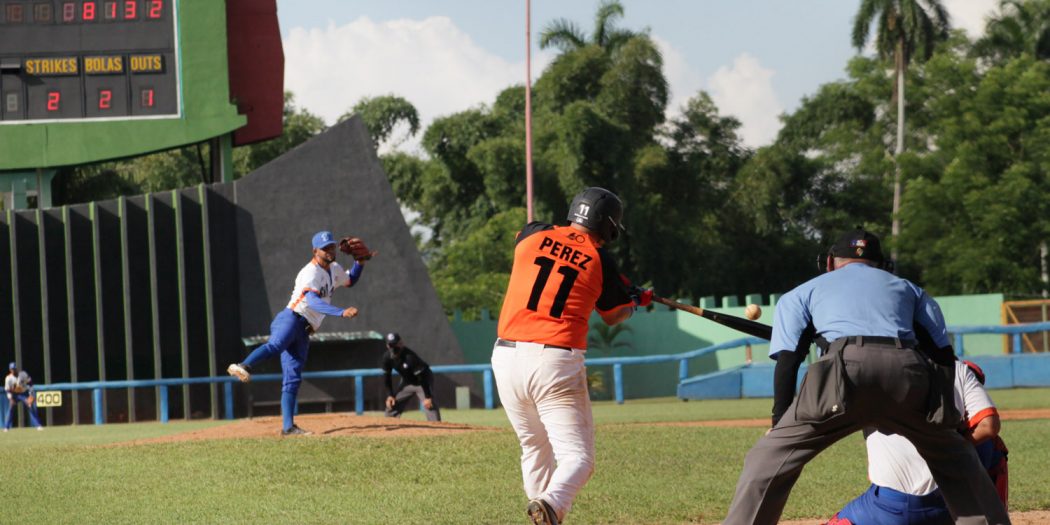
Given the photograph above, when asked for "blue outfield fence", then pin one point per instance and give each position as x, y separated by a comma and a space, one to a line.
358, 375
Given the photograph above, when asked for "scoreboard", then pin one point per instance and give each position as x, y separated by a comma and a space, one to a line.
64, 60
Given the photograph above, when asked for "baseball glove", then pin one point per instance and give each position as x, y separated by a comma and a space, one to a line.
355, 248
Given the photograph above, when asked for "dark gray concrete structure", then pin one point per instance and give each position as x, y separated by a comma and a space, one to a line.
166, 285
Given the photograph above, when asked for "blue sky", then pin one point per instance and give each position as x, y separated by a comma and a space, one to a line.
757, 58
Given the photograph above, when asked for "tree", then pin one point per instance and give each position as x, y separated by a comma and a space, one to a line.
567, 36
1018, 27
907, 30
976, 212
382, 115
299, 125
603, 341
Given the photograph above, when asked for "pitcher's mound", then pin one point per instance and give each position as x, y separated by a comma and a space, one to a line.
321, 425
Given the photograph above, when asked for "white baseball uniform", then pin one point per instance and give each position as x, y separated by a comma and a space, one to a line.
313, 278
893, 461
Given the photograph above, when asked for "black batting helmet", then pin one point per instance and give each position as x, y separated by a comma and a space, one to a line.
393, 338
600, 210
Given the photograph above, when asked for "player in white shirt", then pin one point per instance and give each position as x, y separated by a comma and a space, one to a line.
902, 490
290, 330
19, 388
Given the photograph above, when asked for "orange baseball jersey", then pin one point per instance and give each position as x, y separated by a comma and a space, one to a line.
559, 277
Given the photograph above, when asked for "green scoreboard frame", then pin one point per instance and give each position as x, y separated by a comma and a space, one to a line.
89, 80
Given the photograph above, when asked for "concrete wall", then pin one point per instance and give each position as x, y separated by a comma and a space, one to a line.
664, 331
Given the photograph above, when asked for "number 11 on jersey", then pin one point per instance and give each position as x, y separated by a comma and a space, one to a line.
569, 276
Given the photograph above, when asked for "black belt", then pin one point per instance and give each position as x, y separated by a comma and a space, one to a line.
514, 344
861, 340
309, 327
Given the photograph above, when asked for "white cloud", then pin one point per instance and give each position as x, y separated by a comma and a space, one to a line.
745, 91
970, 14
429, 62
683, 81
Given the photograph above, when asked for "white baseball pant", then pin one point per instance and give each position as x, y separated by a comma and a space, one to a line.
544, 393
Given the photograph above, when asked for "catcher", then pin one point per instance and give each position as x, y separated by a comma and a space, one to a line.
902, 490
311, 300
19, 387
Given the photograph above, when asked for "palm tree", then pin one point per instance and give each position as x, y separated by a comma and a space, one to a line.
567, 36
907, 30
1019, 27
602, 342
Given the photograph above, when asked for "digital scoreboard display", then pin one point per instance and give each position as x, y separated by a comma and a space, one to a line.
88, 59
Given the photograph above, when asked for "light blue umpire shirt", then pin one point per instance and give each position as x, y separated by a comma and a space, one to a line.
855, 299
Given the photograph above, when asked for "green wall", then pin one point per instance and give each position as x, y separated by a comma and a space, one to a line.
663, 331
206, 108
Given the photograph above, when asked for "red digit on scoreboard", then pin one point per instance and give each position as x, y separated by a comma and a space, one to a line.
156, 8
111, 10
131, 9
105, 98
69, 12
146, 98
88, 13
53, 100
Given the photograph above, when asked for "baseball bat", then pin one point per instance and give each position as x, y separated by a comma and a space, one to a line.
749, 327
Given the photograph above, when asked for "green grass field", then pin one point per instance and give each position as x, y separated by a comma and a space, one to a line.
645, 473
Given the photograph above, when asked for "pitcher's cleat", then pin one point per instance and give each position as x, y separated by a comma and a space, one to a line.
295, 431
541, 513
242, 372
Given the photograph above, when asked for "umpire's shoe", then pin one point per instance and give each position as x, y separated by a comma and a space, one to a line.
242, 372
541, 513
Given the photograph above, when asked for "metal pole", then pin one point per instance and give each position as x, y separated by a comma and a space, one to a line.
528, 108
163, 404
359, 395
228, 391
96, 401
618, 382
487, 380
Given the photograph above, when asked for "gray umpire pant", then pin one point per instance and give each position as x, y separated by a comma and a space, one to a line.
407, 393
888, 389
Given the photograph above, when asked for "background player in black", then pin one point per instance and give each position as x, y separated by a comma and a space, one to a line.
416, 379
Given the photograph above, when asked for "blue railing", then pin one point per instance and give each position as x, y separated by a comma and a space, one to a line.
485, 369
1016, 330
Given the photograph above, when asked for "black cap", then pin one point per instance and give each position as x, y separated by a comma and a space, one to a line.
392, 338
858, 244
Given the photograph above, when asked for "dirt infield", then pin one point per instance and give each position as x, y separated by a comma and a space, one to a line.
323, 425
331, 425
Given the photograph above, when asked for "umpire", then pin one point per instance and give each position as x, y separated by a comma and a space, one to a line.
872, 375
416, 379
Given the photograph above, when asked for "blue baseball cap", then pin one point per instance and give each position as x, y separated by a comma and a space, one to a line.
12, 366
322, 239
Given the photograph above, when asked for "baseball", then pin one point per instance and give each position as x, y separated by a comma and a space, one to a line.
753, 311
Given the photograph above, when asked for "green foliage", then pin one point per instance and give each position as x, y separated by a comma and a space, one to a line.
382, 115
473, 272
299, 126
1020, 26
910, 27
180, 167
91, 183
974, 216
